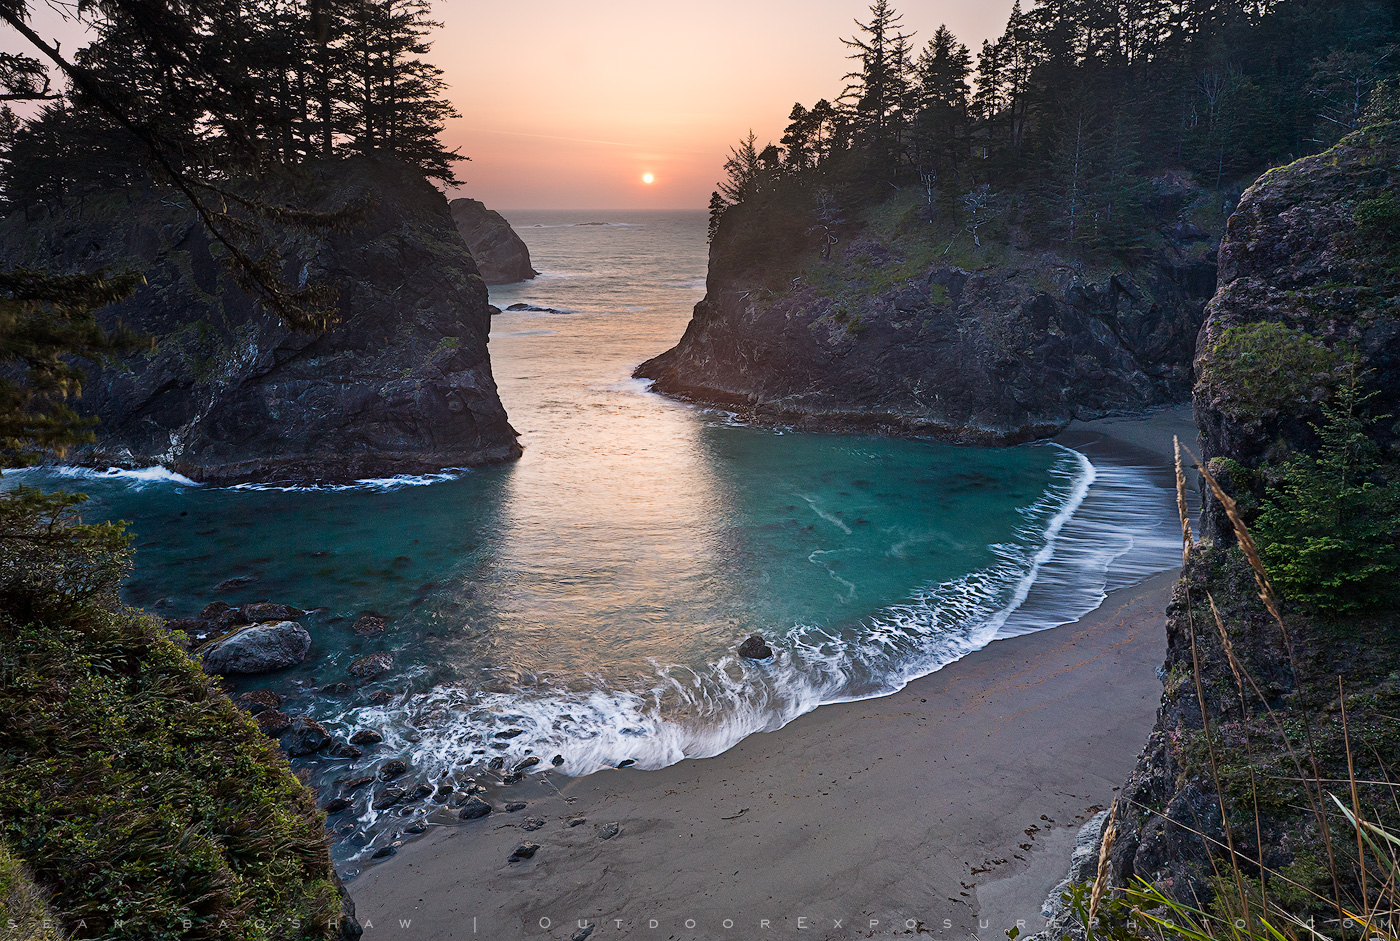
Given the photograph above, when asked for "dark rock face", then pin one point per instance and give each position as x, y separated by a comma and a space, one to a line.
366, 737
400, 385
1290, 257
262, 611
755, 648
1293, 256
260, 648
992, 356
369, 625
500, 254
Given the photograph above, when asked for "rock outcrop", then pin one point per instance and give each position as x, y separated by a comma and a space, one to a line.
401, 384
501, 255
1307, 272
892, 337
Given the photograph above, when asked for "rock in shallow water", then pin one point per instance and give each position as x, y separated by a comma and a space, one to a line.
306, 737
755, 648
392, 768
273, 721
261, 648
260, 612
369, 625
256, 700
372, 665
366, 737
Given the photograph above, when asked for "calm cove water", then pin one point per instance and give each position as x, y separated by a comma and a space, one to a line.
592, 595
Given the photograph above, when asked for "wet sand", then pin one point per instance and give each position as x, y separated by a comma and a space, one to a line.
945, 810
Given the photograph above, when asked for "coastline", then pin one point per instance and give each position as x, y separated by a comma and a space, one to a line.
948, 807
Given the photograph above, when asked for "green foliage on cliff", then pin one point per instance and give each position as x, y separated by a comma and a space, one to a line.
134, 791
45, 320
1329, 529
1262, 369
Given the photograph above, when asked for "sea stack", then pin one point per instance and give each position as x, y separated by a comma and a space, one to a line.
500, 254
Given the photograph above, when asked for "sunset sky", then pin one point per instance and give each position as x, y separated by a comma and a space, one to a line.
567, 105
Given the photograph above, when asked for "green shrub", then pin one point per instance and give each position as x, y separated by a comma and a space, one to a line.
1327, 529
1264, 369
133, 789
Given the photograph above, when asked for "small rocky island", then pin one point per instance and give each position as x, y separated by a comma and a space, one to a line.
401, 384
501, 255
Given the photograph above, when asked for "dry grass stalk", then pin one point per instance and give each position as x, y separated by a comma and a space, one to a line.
1186, 538
1214, 764
1229, 652
1246, 541
1110, 830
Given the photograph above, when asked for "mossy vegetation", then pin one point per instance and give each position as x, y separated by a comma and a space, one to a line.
1261, 369
135, 792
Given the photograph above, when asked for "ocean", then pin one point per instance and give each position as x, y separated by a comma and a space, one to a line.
587, 602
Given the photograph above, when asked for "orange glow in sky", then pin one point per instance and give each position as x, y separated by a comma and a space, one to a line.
631, 104
625, 104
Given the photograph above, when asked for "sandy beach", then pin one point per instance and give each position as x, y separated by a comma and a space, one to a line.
945, 810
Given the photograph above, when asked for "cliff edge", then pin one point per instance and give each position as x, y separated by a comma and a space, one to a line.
946, 322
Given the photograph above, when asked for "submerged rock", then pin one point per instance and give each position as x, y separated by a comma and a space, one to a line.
306, 737
501, 255
257, 700
369, 625
755, 648
260, 648
372, 665
261, 611
273, 721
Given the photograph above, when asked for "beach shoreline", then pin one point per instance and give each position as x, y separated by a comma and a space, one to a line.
946, 809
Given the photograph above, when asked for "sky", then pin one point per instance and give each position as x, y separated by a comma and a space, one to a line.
568, 105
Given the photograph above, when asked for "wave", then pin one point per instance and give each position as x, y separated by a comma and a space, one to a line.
1094, 529
137, 478
378, 484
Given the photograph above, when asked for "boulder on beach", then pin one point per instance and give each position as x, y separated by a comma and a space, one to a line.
260, 648
755, 648
501, 256
474, 808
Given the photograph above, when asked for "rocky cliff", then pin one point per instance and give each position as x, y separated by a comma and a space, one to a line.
501, 255
400, 384
1309, 276
913, 327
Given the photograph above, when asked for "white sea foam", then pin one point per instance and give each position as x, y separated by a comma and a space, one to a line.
139, 477
1097, 528
379, 484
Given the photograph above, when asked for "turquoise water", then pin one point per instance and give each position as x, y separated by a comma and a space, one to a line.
593, 594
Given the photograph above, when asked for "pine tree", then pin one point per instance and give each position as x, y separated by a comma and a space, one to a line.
44, 321
742, 171
879, 90
1328, 529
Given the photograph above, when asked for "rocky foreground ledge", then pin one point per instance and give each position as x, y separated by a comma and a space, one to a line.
401, 384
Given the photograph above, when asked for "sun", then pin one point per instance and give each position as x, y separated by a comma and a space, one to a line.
648, 178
